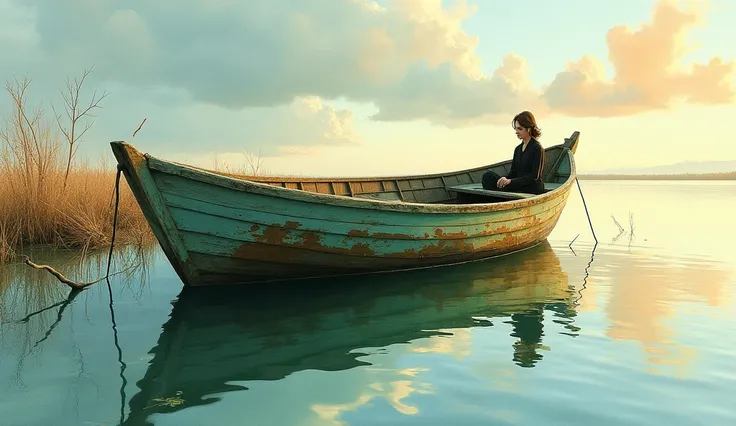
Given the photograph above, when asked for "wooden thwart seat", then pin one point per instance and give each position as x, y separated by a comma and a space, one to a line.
476, 189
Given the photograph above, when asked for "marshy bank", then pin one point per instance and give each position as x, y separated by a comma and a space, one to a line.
49, 199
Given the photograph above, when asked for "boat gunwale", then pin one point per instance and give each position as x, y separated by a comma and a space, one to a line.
249, 186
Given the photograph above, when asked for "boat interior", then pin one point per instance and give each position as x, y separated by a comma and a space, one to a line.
455, 187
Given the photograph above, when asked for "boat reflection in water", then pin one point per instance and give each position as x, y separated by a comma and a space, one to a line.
221, 335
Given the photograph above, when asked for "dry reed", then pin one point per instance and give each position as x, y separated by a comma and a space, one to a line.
41, 203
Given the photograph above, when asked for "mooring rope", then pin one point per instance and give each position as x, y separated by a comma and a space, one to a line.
76, 286
590, 222
114, 218
81, 286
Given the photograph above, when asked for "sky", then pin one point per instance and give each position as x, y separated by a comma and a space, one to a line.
360, 87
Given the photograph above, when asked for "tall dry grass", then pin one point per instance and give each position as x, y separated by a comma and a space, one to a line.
44, 200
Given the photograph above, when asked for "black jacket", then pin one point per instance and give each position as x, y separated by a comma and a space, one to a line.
526, 169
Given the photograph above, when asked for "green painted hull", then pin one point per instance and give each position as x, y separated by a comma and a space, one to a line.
224, 229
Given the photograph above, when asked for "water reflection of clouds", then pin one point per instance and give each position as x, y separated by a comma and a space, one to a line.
457, 343
648, 295
394, 392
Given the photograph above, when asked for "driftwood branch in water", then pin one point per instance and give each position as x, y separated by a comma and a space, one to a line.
76, 286
71, 283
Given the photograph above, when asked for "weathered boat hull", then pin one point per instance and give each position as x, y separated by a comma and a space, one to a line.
221, 229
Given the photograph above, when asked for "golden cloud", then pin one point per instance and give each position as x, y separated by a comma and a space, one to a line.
648, 71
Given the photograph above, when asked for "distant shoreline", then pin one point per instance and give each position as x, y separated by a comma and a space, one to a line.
679, 176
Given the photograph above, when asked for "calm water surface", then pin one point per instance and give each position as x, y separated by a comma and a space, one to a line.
640, 330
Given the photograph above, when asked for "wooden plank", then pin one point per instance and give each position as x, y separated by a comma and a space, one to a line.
553, 157
341, 188
383, 196
190, 215
371, 187
444, 186
434, 182
432, 195
397, 254
398, 189
324, 188
390, 185
416, 184
477, 189
247, 226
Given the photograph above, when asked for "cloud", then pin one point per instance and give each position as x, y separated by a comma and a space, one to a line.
309, 122
648, 75
174, 123
410, 59
277, 64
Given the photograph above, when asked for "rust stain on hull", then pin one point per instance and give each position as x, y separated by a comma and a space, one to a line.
462, 246
384, 235
277, 244
290, 224
527, 220
276, 236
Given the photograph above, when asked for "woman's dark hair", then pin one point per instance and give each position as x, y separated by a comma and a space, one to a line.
526, 120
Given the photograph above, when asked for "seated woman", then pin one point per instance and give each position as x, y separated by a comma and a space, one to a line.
528, 162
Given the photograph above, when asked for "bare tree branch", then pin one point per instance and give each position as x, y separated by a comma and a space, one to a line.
255, 164
27, 136
75, 112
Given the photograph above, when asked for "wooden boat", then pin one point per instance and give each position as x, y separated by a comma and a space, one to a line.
229, 339
219, 228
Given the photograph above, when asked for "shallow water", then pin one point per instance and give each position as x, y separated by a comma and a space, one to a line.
638, 331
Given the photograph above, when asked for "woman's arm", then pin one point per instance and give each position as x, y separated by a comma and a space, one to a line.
512, 173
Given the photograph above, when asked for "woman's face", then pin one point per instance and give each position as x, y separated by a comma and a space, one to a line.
521, 132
